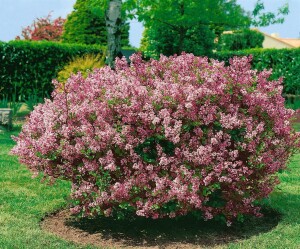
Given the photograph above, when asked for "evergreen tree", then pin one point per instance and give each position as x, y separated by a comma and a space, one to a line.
87, 27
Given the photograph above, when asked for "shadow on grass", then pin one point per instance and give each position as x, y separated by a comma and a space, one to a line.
181, 231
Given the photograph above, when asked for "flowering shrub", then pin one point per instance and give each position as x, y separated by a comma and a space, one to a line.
163, 138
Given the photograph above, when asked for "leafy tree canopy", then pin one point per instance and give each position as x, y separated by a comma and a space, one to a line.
260, 18
173, 26
186, 13
191, 26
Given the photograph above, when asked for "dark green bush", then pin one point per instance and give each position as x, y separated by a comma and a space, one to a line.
241, 39
28, 67
284, 62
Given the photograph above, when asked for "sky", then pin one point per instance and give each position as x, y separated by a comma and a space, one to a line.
16, 14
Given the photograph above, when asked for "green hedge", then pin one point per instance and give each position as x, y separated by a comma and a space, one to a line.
284, 62
28, 66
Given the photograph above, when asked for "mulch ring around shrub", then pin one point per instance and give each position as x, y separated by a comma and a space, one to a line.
296, 117
184, 232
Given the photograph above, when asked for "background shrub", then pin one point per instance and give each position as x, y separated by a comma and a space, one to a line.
163, 138
283, 62
43, 29
241, 39
84, 64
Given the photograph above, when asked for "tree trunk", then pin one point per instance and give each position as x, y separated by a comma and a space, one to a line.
182, 34
113, 25
182, 30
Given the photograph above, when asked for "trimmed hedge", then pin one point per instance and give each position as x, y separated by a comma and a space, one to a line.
28, 66
284, 62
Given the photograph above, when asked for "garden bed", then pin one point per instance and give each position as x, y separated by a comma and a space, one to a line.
185, 232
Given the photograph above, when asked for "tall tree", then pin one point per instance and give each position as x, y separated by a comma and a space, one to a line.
173, 26
188, 25
87, 26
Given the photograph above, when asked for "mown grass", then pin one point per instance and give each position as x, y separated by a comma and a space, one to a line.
285, 199
25, 201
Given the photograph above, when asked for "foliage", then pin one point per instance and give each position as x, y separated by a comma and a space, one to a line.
241, 39
32, 100
28, 65
283, 62
260, 18
86, 26
12, 102
292, 102
44, 29
163, 138
15, 105
4, 103
85, 65
176, 26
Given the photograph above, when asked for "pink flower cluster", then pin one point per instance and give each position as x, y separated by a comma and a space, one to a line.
164, 137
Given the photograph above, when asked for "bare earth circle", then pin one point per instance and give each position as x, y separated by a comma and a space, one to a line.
184, 232
296, 117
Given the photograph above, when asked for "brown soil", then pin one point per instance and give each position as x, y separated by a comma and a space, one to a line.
185, 232
296, 118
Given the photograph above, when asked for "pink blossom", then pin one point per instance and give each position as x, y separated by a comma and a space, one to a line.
149, 135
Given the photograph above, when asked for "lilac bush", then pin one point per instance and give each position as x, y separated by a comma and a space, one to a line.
163, 138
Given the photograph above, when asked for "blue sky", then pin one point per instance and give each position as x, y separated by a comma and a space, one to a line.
15, 14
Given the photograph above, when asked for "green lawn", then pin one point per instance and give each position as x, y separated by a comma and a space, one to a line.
25, 201
285, 199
